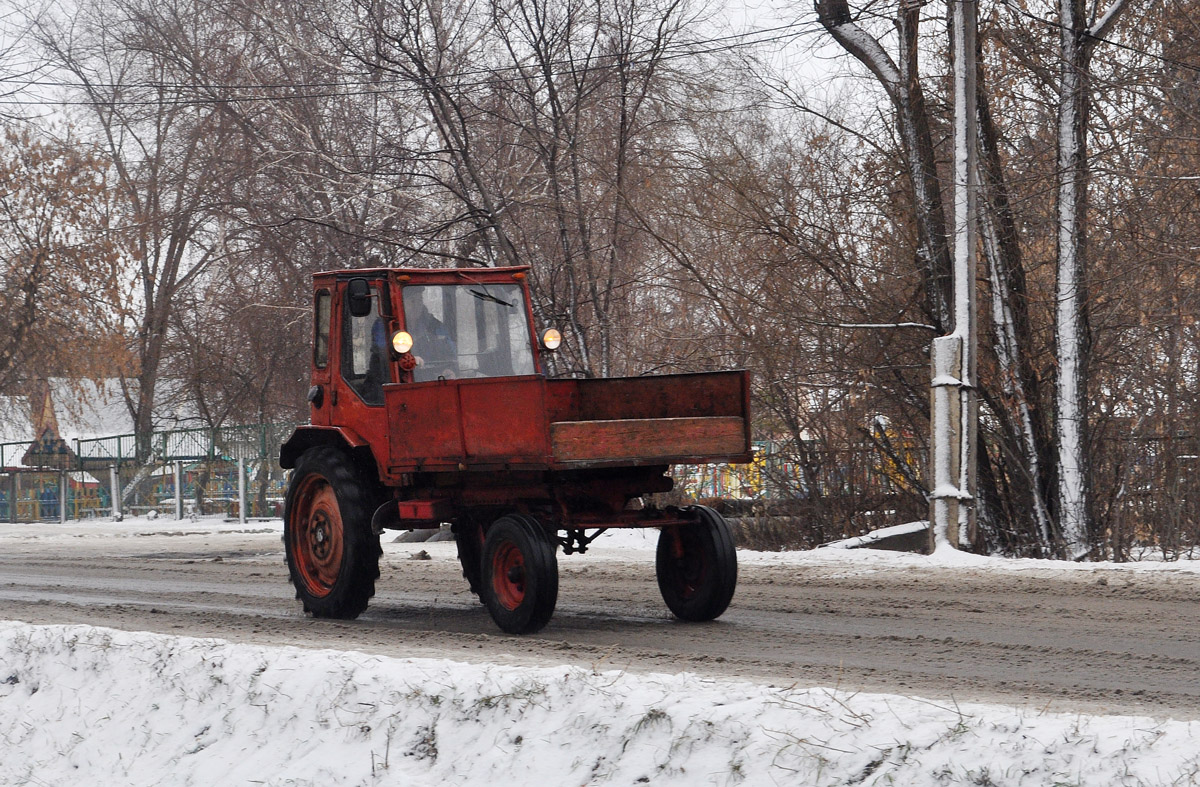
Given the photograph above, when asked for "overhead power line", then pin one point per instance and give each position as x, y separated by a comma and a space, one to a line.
469, 78
200, 94
1116, 44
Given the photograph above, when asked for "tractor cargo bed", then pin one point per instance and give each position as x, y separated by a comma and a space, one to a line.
678, 418
534, 423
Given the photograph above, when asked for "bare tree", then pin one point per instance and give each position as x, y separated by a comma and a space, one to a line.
543, 112
901, 81
168, 167
1079, 34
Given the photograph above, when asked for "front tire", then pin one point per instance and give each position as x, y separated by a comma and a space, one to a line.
520, 574
696, 566
332, 554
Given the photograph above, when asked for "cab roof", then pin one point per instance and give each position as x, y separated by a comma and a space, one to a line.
427, 275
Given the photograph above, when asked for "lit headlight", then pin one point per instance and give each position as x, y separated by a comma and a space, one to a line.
551, 339
402, 342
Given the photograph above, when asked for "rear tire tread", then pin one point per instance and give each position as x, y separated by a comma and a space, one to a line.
355, 583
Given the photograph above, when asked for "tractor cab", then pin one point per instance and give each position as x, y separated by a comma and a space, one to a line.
395, 326
379, 326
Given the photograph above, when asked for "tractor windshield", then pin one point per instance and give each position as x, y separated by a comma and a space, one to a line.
468, 330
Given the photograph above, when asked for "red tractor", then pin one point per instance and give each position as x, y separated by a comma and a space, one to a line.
429, 405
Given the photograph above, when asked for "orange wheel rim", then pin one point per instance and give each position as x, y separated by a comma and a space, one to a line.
317, 537
508, 576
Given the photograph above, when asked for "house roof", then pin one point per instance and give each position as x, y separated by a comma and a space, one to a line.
84, 409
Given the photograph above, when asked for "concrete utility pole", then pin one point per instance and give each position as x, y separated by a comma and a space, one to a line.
954, 405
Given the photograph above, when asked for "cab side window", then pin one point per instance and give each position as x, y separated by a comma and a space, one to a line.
365, 362
321, 337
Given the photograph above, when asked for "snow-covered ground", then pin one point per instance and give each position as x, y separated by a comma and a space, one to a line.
86, 705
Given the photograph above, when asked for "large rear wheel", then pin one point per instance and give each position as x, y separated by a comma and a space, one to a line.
697, 566
520, 574
332, 554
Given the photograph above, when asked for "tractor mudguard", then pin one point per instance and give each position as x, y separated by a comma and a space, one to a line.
306, 437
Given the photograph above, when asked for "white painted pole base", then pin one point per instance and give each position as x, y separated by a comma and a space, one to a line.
178, 490
241, 471
945, 440
115, 484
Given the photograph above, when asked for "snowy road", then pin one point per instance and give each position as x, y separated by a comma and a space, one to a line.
1107, 639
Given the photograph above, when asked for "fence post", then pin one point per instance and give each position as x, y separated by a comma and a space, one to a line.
115, 478
178, 488
62, 497
241, 471
12, 498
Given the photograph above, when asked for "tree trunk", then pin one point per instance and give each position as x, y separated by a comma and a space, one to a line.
903, 87
1071, 306
1024, 424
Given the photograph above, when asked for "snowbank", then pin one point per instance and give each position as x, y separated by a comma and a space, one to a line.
84, 705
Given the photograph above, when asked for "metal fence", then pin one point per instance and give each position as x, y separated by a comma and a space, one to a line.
234, 471
231, 470
793, 497
778, 473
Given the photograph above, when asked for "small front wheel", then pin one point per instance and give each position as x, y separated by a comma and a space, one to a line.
520, 574
697, 566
